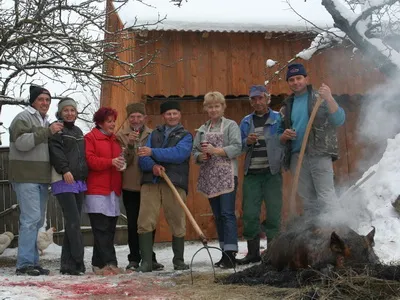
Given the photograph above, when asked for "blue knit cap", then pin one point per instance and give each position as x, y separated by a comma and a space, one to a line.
295, 69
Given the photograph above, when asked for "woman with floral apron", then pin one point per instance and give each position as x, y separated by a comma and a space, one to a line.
216, 147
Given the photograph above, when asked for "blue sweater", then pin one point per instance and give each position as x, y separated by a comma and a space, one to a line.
300, 119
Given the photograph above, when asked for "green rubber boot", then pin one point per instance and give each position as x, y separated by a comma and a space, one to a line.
146, 251
178, 246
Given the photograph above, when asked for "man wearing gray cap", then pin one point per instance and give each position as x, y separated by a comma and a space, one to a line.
263, 179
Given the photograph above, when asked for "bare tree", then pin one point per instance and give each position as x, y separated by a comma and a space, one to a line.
62, 38
372, 26
177, 2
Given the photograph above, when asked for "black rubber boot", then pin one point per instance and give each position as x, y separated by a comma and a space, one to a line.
253, 252
228, 260
218, 263
146, 251
178, 247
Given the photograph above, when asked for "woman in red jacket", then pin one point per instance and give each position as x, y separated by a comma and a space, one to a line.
104, 184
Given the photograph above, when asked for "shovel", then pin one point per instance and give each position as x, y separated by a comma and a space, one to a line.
196, 227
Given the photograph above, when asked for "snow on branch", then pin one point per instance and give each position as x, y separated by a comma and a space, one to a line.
370, 25
323, 40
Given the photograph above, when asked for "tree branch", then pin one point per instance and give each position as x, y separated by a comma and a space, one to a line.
369, 47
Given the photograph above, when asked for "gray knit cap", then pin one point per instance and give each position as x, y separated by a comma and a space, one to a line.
66, 102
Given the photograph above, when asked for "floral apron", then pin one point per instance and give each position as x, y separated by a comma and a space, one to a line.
216, 174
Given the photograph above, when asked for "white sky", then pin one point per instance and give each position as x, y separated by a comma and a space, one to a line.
82, 96
235, 15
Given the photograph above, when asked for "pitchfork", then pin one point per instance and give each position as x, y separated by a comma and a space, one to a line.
196, 227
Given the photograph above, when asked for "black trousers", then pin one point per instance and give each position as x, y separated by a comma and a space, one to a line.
72, 250
131, 201
103, 228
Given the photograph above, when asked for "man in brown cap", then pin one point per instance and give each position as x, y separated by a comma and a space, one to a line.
131, 138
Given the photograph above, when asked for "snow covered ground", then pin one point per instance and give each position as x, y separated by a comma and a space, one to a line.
371, 205
59, 286
375, 200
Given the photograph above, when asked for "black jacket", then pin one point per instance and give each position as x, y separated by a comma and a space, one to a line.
67, 152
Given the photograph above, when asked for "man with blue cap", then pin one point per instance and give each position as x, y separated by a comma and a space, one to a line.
262, 169
316, 185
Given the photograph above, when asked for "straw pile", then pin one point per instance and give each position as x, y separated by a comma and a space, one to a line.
363, 282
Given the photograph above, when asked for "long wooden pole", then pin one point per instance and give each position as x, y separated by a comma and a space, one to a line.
295, 182
183, 205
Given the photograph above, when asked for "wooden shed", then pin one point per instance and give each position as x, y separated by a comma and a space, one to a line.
189, 63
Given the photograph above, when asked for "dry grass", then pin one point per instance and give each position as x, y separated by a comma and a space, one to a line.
204, 288
368, 282
6, 262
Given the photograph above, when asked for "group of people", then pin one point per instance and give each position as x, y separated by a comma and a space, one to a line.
89, 173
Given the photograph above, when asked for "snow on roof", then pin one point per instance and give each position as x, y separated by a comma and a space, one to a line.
226, 15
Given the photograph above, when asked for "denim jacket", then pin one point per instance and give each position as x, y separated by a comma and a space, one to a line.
275, 150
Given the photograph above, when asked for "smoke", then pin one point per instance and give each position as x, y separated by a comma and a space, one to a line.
379, 120
380, 114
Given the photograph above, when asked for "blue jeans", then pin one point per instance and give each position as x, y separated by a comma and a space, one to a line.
223, 208
32, 199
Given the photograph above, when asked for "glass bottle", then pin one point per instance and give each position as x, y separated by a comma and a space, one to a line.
122, 154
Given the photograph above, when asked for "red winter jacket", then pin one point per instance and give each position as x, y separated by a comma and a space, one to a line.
103, 177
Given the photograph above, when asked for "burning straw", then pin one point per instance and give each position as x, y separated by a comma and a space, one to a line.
364, 282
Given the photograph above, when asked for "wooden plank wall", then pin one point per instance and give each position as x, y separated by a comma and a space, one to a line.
346, 171
193, 63
188, 63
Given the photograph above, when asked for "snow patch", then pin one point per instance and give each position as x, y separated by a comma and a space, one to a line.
270, 63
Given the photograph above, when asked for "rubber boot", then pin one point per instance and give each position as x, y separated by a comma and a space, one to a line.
218, 263
146, 251
178, 246
253, 252
156, 265
228, 260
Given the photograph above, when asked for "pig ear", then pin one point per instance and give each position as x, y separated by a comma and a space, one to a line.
370, 236
337, 244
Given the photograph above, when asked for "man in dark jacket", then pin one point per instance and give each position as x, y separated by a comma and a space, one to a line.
168, 150
316, 186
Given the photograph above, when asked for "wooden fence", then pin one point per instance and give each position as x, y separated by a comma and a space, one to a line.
9, 220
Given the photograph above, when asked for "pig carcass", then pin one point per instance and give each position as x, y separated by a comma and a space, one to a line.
309, 245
